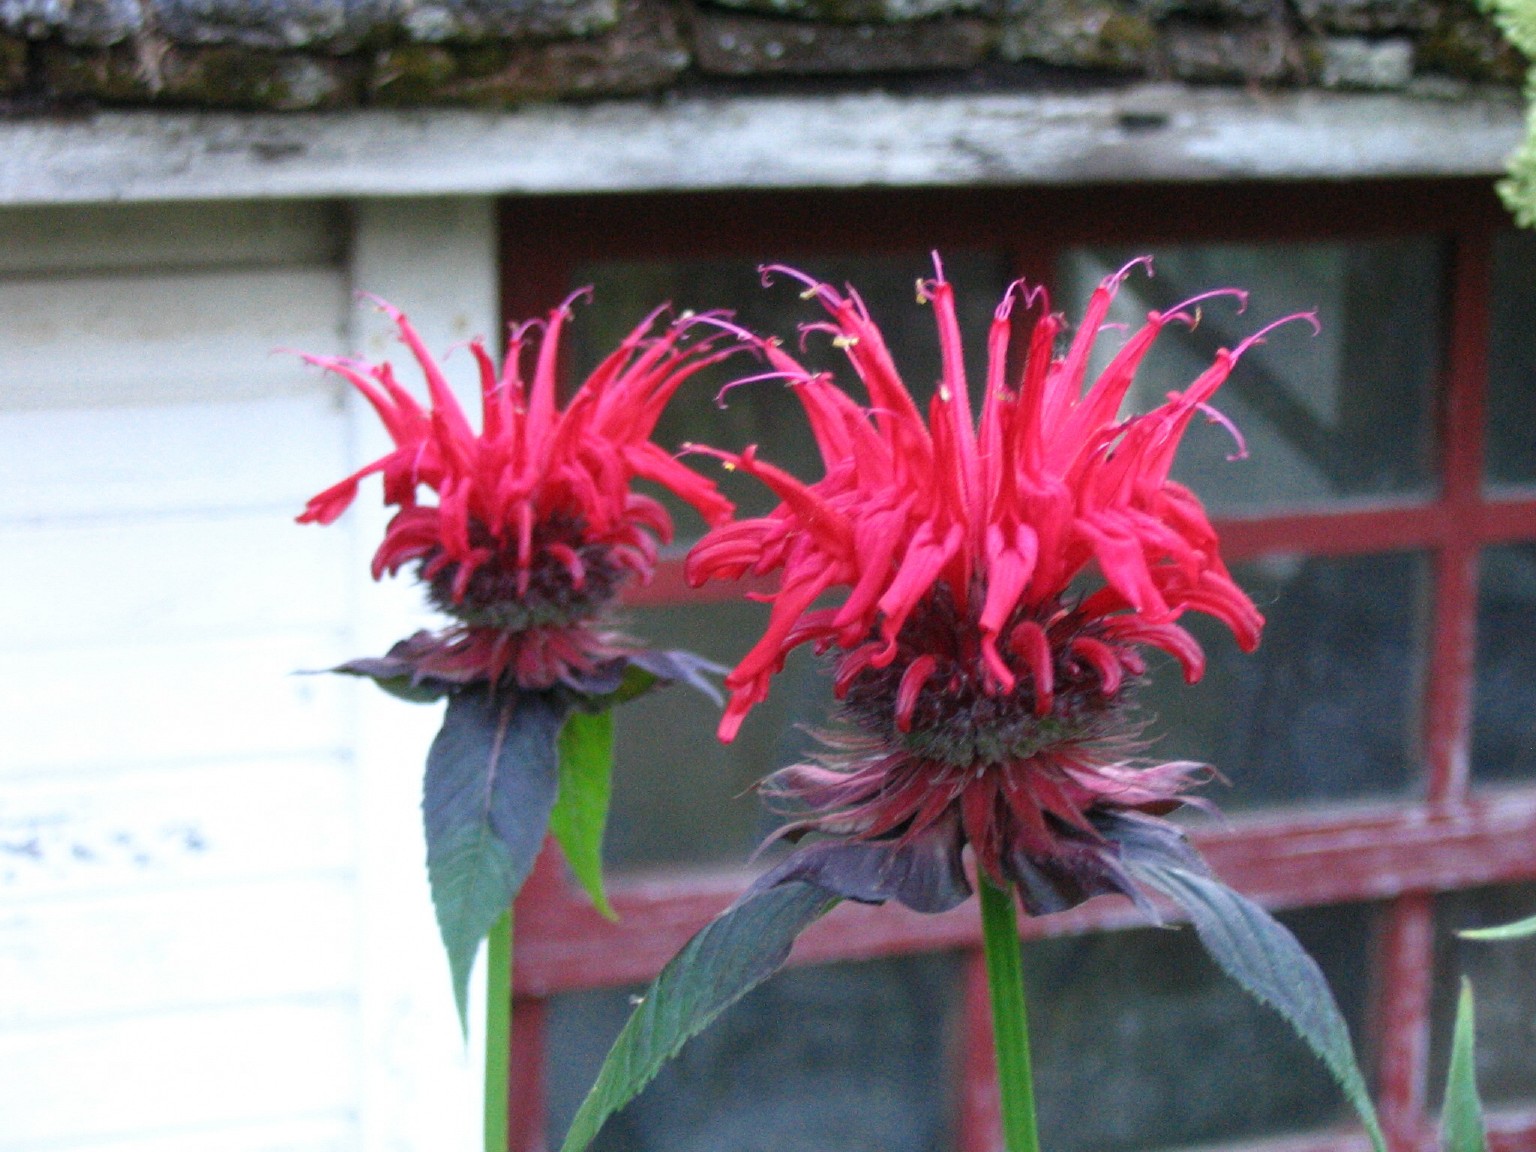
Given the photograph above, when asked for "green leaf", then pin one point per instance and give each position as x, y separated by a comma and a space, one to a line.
1264, 958
1519, 930
730, 956
1462, 1120
490, 785
581, 807
636, 682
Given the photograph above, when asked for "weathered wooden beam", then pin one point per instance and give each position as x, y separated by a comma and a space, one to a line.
1139, 133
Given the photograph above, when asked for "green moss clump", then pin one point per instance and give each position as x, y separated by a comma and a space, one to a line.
412, 74
1127, 34
112, 75
434, 74
1080, 34
239, 78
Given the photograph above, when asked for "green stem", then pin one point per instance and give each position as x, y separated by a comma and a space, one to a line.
498, 1031
1010, 1024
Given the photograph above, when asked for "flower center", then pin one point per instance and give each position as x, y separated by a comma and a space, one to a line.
569, 578
960, 717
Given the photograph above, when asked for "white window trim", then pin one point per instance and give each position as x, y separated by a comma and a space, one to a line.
422, 1085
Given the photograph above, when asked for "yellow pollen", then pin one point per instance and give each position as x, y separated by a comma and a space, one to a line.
844, 341
945, 394
728, 466
809, 293
686, 314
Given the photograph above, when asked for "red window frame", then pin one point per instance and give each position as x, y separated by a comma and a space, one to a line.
1402, 853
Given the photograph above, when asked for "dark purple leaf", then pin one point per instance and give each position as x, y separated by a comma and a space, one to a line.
1262, 956
399, 670
926, 874
490, 785
638, 672
731, 955
677, 666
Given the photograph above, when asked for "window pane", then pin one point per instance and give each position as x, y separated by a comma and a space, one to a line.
843, 1058
1324, 710
679, 795
1503, 979
766, 413
1343, 414
1504, 702
1512, 361
1140, 1041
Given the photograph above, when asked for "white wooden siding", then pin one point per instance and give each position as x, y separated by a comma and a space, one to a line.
214, 928
178, 810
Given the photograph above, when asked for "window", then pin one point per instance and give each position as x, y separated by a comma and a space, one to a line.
1379, 743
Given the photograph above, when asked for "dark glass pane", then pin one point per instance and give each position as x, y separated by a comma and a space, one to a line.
1140, 1042
1343, 414
1512, 362
679, 795
1324, 710
766, 413
844, 1058
1503, 979
1504, 703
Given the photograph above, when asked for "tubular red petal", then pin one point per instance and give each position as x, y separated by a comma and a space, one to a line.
849, 667
1169, 637
1102, 659
445, 405
1030, 643
915, 576
912, 682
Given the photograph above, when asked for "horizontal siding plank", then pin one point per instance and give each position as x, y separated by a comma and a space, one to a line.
143, 1075
70, 961
163, 704
135, 830
337, 1133
125, 236
146, 338
171, 579
73, 462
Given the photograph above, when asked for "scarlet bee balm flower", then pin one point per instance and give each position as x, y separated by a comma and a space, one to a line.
532, 533
535, 528
983, 686
1002, 583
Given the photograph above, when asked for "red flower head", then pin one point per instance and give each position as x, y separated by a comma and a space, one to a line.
534, 528
1001, 580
